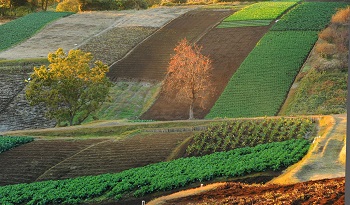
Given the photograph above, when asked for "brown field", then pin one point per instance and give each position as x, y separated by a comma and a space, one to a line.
149, 60
62, 159
227, 48
326, 191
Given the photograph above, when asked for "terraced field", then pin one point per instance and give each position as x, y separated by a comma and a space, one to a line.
153, 54
62, 159
27, 162
227, 48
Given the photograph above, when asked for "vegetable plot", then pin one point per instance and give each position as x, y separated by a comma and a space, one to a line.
241, 133
260, 85
309, 16
158, 177
258, 14
20, 29
7, 143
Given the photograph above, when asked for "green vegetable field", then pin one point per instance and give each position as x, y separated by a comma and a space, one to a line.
258, 14
159, 177
241, 133
261, 84
7, 143
20, 29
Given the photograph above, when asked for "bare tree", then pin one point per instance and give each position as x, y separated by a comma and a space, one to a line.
188, 76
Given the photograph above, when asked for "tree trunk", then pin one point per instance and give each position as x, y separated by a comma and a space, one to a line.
191, 112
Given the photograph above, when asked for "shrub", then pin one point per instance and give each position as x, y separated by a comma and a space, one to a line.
325, 50
342, 16
329, 34
68, 5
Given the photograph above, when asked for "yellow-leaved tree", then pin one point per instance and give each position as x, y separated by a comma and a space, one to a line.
68, 87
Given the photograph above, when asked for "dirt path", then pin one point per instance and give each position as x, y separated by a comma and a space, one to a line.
75, 30
322, 161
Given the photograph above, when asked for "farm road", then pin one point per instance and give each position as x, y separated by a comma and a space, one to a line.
322, 161
73, 31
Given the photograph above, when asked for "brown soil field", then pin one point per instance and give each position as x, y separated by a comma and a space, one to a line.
149, 60
227, 48
326, 191
26, 163
62, 159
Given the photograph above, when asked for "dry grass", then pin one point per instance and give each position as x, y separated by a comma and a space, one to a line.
342, 155
342, 16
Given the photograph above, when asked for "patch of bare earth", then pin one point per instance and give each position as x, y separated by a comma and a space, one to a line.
24, 164
75, 30
149, 60
227, 48
326, 191
62, 159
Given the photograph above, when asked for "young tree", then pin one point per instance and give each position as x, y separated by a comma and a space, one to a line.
68, 87
189, 76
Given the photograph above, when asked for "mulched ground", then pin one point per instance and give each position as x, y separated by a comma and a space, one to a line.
326, 191
150, 59
27, 162
62, 159
227, 48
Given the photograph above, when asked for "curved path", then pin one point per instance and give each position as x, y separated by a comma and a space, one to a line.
322, 161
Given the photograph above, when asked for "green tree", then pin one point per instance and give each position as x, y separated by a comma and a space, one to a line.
69, 88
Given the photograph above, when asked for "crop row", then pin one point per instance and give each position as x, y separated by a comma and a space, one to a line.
260, 85
308, 16
262, 82
158, 177
261, 11
20, 29
241, 133
7, 143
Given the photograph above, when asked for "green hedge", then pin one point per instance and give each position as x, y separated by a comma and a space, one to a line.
158, 177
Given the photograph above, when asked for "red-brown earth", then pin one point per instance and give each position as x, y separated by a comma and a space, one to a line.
325, 191
227, 48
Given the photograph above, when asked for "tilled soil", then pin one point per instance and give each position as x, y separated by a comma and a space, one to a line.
62, 159
149, 60
326, 191
26, 163
227, 48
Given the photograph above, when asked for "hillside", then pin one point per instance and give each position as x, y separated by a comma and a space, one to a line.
139, 148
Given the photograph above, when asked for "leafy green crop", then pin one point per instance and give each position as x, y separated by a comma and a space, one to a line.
20, 29
308, 16
241, 133
260, 85
158, 177
7, 143
261, 11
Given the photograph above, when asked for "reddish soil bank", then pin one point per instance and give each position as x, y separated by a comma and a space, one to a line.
61, 159
27, 162
227, 48
149, 60
326, 191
